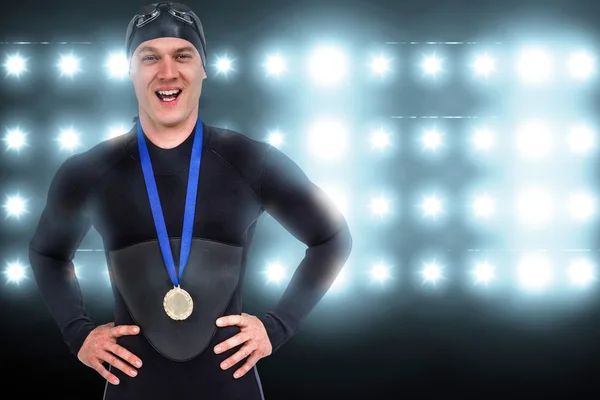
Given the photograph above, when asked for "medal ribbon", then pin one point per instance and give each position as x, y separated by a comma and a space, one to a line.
190, 202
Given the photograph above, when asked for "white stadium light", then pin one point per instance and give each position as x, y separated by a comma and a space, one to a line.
581, 139
432, 272
68, 65
15, 206
432, 65
581, 272
276, 65
432, 139
118, 65
484, 206
338, 197
380, 272
328, 66
535, 140
484, 273
582, 206
484, 65
483, 139
15, 272
224, 65
275, 272
380, 206
534, 272
535, 66
581, 65
68, 139
276, 139
380, 65
328, 139
535, 207
115, 131
432, 206
15, 65
380, 139
15, 139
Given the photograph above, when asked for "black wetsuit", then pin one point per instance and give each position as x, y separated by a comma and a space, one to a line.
240, 178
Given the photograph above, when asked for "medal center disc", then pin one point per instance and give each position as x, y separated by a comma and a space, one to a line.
178, 304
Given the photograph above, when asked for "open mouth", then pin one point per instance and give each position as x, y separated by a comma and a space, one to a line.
167, 95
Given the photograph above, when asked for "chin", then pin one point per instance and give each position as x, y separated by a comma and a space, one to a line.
170, 120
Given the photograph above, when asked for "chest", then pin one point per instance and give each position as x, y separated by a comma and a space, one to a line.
225, 206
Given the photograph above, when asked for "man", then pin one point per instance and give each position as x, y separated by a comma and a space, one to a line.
176, 202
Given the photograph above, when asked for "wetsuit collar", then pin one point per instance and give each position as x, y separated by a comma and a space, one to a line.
166, 161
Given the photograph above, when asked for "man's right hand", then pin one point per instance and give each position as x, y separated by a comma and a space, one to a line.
101, 345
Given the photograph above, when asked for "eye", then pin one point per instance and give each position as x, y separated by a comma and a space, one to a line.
148, 57
185, 55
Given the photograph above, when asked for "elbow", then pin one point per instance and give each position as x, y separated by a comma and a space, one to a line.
339, 244
346, 240
336, 247
31, 256
35, 261
341, 249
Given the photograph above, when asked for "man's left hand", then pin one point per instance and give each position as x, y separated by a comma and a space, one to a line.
254, 336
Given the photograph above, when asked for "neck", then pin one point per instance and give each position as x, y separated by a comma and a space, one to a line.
167, 137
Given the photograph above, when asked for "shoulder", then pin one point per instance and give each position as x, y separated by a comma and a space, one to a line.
241, 152
83, 170
229, 143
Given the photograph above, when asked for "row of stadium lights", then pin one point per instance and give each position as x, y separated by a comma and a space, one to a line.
329, 65
534, 272
535, 207
329, 139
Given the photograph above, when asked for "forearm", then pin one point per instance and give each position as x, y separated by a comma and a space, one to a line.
314, 276
60, 290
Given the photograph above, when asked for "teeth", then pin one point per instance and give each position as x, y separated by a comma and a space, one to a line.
168, 92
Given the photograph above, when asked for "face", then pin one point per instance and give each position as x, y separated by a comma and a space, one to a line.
167, 75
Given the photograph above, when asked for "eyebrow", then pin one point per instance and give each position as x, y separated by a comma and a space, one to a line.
155, 50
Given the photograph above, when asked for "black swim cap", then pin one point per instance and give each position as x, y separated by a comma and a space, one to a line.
165, 19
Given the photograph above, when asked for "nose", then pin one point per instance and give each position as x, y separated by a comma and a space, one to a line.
167, 69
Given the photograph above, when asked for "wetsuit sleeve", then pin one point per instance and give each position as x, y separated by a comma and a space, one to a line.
308, 214
61, 227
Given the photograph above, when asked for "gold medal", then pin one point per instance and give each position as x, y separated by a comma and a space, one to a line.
178, 304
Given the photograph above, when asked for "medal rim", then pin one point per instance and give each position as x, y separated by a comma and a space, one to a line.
187, 296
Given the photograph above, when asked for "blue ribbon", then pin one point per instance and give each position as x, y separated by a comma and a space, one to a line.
190, 202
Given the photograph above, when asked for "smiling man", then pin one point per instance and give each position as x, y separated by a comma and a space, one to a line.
176, 202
